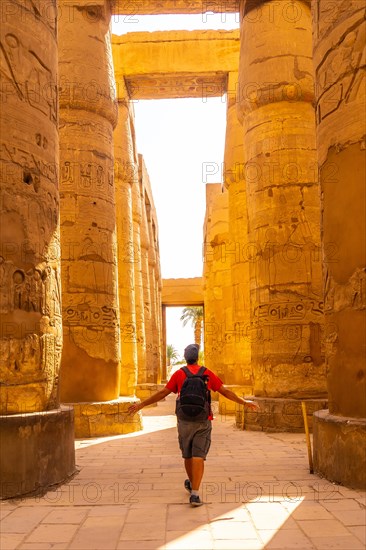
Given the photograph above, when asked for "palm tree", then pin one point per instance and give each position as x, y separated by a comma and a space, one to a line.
194, 314
171, 354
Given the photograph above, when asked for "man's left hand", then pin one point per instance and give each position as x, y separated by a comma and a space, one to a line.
133, 409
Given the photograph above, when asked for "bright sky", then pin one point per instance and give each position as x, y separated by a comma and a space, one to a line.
182, 141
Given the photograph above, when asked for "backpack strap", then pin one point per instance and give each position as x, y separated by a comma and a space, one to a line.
187, 372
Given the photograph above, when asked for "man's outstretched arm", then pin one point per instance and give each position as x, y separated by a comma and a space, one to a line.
158, 396
233, 397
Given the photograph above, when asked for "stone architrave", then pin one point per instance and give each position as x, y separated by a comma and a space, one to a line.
339, 61
276, 104
88, 114
36, 433
130, 9
237, 248
126, 173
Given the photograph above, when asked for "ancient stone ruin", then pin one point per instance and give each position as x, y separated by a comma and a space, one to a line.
283, 286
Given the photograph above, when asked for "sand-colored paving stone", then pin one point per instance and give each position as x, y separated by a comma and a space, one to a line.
129, 495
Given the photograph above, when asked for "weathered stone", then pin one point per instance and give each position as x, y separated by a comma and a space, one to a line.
340, 448
105, 418
126, 173
173, 64
36, 451
139, 290
31, 329
228, 407
88, 111
217, 281
283, 204
150, 273
152, 7
278, 415
144, 391
339, 60
182, 292
241, 369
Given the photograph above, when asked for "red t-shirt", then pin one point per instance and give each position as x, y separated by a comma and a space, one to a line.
176, 382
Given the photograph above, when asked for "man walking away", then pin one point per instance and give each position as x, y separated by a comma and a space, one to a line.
193, 384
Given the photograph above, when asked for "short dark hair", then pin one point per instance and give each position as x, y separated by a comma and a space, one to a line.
191, 353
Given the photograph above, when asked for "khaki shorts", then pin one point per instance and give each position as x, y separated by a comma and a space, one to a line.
194, 438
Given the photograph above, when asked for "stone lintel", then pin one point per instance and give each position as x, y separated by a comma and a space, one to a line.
154, 7
340, 449
175, 86
104, 418
279, 414
182, 292
175, 64
36, 451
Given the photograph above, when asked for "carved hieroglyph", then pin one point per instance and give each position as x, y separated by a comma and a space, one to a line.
88, 113
276, 97
31, 330
130, 9
339, 59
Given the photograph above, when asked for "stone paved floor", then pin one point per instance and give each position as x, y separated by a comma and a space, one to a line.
129, 495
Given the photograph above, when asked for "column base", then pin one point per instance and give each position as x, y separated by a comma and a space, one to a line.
143, 391
103, 418
229, 407
278, 414
36, 451
340, 449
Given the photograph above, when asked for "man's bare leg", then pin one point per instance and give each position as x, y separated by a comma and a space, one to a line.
188, 467
195, 467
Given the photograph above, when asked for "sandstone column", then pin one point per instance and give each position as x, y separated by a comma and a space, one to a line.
237, 248
216, 274
155, 302
126, 173
139, 292
88, 114
276, 97
339, 59
36, 447
145, 246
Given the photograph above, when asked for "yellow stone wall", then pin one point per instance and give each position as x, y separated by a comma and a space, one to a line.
276, 103
30, 298
88, 114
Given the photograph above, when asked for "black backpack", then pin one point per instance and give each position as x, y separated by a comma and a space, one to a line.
194, 399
